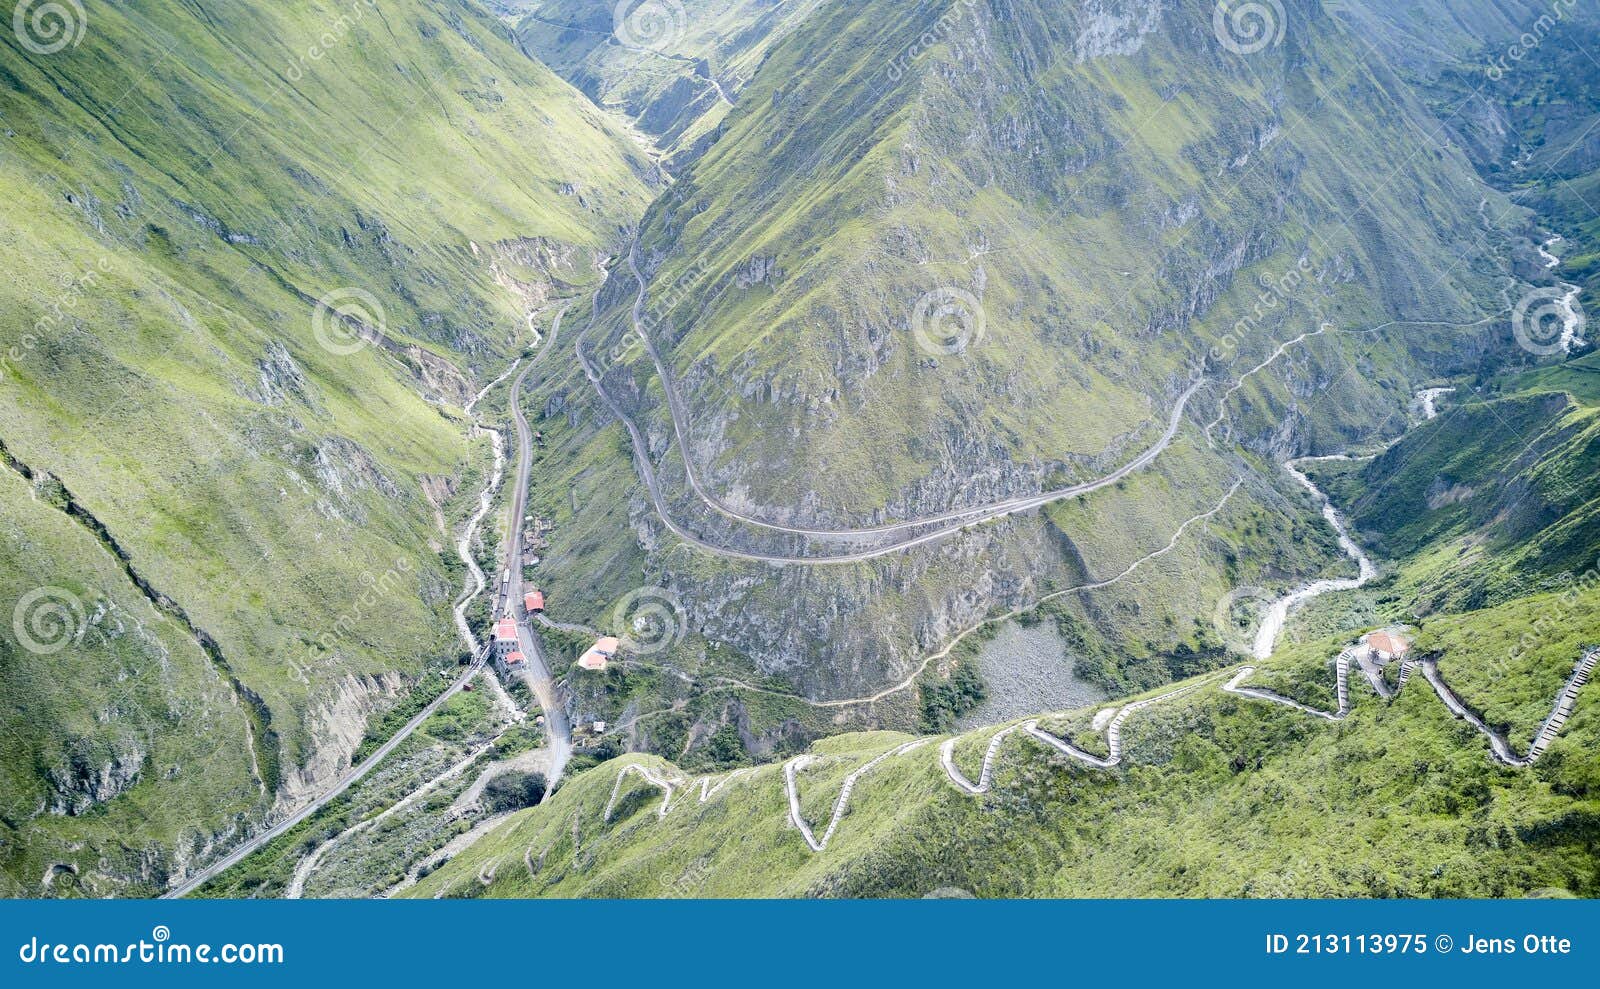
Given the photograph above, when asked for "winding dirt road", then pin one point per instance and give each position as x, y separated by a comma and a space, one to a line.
953, 520
1113, 736
661, 783
1499, 745
793, 766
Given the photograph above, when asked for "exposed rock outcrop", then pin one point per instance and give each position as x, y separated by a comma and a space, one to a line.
336, 723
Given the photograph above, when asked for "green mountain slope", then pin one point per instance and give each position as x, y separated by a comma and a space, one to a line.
1111, 213
192, 194
1128, 201
1504, 481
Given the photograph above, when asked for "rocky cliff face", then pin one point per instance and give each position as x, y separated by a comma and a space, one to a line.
335, 724
1027, 210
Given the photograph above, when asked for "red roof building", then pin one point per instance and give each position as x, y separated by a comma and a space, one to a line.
516, 659
505, 636
534, 601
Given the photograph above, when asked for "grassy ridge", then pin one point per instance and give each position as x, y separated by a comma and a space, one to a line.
182, 187
1222, 796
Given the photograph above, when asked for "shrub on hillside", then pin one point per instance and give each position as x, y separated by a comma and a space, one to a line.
513, 791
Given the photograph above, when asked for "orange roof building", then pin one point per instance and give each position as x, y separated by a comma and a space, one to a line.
1390, 646
600, 653
534, 602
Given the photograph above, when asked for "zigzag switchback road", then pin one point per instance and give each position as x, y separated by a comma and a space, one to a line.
1500, 749
1499, 746
793, 766
1113, 742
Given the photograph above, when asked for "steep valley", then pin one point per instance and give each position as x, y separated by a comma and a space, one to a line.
895, 371
772, 333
